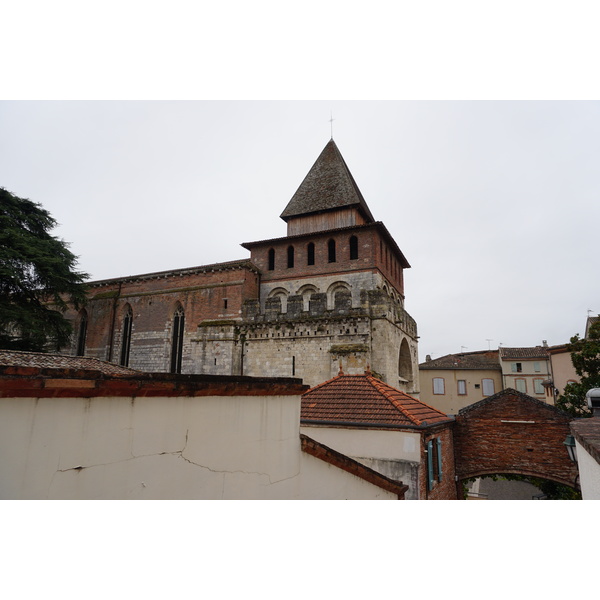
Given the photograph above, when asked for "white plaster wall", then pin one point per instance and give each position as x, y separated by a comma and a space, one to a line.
395, 454
371, 443
589, 474
163, 448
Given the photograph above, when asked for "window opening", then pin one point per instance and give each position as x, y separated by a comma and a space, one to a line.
271, 266
521, 385
82, 334
126, 338
290, 257
462, 387
177, 342
353, 248
438, 385
331, 251
488, 387
310, 254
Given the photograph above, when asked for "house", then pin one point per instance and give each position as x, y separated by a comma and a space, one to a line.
385, 429
81, 428
332, 289
562, 369
454, 381
527, 370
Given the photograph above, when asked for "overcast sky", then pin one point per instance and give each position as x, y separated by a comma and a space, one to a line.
494, 204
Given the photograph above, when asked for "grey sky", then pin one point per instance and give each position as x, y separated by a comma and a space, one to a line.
494, 204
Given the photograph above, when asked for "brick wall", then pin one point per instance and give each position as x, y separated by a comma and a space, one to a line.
513, 433
373, 253
444, 489
209, 293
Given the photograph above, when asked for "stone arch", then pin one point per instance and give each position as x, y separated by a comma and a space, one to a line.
279, 293
338, 287
306, 291
405, 366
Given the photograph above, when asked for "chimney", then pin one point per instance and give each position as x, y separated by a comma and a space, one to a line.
545, 343
428, 358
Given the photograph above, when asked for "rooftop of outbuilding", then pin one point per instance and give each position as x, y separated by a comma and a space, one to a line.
42, 360
363, 400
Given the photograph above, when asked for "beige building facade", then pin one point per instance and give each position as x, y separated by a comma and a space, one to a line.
452, 382
527, 370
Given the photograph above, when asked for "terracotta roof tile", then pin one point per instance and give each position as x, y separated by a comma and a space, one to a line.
487, 359
363, 399
535, 352
9, 358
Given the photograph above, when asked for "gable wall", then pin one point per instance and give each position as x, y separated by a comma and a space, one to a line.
510, 433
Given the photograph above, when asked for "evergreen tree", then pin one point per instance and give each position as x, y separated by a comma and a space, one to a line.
37, 278
585, 355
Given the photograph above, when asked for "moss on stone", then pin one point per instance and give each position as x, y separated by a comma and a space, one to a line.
348, 348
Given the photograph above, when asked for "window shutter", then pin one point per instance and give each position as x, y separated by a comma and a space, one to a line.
439, 458
430, 465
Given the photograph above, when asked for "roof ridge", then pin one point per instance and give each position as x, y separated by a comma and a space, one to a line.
387, 390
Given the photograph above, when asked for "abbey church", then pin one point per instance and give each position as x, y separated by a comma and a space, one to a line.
327, 296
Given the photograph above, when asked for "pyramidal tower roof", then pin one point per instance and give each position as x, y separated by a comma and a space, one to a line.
328, 186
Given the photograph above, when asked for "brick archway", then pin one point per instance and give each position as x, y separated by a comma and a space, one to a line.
511, 432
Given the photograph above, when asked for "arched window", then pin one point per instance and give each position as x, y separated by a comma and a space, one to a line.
405, 371
353, 248
290, 256
331, 251
126, 337
177, 342
82, 333
310, 254
271, 266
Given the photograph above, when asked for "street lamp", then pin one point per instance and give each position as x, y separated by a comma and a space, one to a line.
571, 449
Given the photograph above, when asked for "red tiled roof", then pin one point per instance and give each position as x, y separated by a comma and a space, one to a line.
363, 399
482, 359
535, 352
10, 358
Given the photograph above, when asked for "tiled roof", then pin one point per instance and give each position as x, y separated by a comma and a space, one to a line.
535, 352
328, 185
244, 263
9, 358
467, 360
365, 400
587, 433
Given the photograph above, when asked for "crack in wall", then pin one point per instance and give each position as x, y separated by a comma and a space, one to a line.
180, 454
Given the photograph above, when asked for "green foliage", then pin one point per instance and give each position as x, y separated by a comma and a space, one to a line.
585, 356
37, 278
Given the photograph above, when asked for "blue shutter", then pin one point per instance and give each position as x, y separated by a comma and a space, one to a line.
430, 465
439, 457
